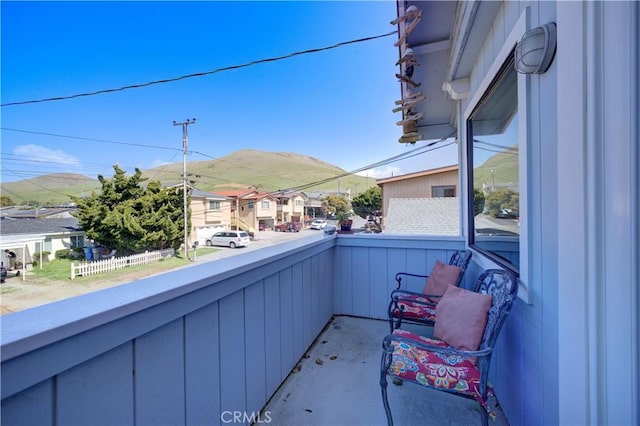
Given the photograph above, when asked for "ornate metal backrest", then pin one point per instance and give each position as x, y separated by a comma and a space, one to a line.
461, 259
502, 286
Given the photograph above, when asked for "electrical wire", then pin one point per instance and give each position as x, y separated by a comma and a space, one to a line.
390, 160
201, 74
385, 162
90, 139
510, 148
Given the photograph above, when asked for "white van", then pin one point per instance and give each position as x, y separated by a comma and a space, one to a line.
231, 239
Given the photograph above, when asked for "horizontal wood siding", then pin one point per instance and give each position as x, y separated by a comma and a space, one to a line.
417, 187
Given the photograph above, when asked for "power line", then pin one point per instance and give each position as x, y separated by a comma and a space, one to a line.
403, 156
90, 139
201, 74
385, 162
510, 148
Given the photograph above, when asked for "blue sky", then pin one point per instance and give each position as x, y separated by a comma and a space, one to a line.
335, 105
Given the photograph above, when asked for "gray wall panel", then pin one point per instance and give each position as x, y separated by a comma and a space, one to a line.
379, 277
299, 345
287, 319
232, 356
307, 302
202, 366
33, 406
98, 392
254, 317
272, 332
159, 376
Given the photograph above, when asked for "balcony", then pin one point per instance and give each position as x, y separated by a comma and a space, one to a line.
196, 345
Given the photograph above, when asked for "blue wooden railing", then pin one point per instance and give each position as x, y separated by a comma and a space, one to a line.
186, 346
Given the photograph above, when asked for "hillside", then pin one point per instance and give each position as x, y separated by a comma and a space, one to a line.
504, 166
268, 171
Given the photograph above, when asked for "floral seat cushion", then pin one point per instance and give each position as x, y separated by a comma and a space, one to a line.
434, 369
416, 311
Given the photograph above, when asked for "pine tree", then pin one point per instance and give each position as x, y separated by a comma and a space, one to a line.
368, 203
130, 218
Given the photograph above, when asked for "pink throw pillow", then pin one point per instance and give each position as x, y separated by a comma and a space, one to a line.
461, 317
441, 276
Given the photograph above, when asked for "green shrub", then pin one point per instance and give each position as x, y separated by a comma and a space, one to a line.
36, 257
63, 254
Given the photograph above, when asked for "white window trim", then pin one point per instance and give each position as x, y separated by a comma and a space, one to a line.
521, 26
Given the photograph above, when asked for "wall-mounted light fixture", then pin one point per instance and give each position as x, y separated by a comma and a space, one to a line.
536, 49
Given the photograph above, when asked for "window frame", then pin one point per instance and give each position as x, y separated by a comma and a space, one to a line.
76, 241
444, 188
214, 209
482, 258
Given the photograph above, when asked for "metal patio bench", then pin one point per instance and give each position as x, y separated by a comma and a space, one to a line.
449, 362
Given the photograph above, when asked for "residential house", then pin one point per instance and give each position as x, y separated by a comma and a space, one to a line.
185, 348
290, 206
250, 209
411, 205
63, 212
30, 236
313, 203
423, 216
209, 213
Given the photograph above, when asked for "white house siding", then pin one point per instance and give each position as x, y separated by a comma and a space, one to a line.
525, 362
598, 212
569, 354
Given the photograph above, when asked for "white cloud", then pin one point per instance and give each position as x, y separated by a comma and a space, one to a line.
382, 172
159, 163
44, 154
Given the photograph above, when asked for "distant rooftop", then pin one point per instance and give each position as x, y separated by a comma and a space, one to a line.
423, 216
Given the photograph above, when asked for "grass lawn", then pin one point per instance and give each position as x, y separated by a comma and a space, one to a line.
60, 269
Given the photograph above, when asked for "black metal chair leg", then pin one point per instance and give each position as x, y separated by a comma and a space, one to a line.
385, 402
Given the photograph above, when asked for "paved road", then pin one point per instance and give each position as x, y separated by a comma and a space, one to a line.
269, 238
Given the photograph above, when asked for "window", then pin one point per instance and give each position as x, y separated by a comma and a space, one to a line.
47, 244
299, 203
214, 205
443, 191
494, 170
264, 204
76, 241
250, 205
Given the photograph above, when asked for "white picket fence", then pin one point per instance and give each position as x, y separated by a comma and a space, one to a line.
100, 266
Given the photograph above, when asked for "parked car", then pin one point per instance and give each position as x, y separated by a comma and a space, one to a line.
318, 224
231, 239
289, 227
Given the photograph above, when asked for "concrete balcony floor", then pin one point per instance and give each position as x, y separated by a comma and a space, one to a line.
343, 389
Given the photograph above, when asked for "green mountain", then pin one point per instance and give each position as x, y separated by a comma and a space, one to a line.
501, 168
268, 171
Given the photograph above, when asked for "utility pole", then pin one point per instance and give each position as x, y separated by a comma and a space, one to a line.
185, 144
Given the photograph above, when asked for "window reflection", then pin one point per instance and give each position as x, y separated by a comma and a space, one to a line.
494, 171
